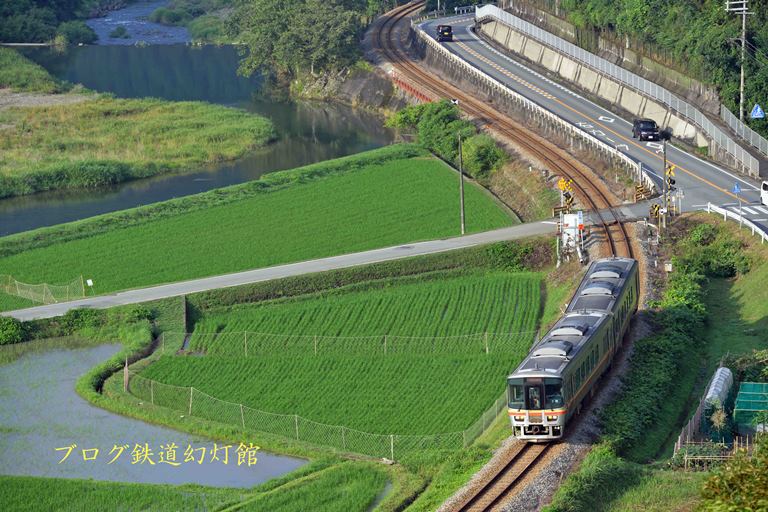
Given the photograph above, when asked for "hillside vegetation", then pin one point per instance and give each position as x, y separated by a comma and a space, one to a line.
697, 37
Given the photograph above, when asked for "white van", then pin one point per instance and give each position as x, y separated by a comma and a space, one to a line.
764, 193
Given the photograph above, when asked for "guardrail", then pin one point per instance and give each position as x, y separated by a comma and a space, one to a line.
743, 159
635, 167
743, 131
743, 221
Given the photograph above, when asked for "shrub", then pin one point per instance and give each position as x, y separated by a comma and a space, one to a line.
741, 484
482, 157
120, 32
82, 318
76, 32
11, 331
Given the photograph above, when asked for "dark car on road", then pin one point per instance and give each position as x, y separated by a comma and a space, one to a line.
444, 33
645, 129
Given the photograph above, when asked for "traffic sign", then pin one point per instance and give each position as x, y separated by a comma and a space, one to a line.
757, 112
671, 170
736, 188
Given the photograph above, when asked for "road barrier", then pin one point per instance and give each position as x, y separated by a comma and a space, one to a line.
743, 221
743, 131
635, 168
742, 158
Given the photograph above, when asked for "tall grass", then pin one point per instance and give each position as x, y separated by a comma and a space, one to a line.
105, 141
362, 208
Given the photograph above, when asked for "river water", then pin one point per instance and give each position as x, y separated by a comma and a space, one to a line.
42, 412
307, 132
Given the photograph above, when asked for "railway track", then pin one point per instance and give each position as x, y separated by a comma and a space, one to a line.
589, 193
518, 462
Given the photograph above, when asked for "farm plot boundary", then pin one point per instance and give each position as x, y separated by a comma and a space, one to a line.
196, 403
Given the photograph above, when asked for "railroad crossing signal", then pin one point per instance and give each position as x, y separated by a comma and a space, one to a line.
655, 210
671, 171
565, 185
671, 183
568, 200
641, 192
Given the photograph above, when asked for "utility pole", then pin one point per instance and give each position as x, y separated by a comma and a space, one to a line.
664, 187
461, 185
740, 7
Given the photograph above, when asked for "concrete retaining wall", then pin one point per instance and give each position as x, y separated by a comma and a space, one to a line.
591, 82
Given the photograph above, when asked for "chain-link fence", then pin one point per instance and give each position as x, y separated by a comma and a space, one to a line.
742, 158
195, 403
43, 293
250, 343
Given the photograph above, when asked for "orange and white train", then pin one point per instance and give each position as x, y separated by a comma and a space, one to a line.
564, 367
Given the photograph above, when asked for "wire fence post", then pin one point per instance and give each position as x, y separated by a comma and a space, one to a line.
486, 342
392, 447
385, 344
190, 401
242, 416
125, 376
464, 438
296, 424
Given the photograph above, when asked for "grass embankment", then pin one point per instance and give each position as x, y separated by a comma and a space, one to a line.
379, 198
395, 392
20, 74
105, 141
77, 142
322, 485
716, 268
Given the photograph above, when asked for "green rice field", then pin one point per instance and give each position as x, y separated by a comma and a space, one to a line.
353, 382
286, 217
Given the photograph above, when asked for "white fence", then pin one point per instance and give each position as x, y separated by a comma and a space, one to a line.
743, 221
742, 157
195, 403
635, 167
43, 293
744, 131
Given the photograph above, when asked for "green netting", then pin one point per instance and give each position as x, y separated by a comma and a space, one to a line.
751, 400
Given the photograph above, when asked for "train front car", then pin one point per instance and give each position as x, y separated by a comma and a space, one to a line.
536, 407
562, 369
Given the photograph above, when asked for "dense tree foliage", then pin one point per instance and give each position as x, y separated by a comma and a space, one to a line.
303, 35
34, 21
438, 126
742, 484
698, 36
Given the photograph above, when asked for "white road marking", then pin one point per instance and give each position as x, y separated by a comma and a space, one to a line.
624, 147
606, 119
749, 210
762, 209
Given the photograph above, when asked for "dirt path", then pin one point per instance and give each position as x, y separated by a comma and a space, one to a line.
10, 99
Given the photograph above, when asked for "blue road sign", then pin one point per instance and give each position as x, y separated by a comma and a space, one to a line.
757, 112
736, 188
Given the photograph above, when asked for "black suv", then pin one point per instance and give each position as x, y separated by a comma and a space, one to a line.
444, 33
645, 129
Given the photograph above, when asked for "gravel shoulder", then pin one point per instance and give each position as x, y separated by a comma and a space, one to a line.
9, 99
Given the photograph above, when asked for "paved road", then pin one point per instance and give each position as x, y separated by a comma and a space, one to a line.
700, 181
293, 269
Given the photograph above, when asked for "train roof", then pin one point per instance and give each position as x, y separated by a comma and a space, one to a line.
592, 304
563, 342
603, 281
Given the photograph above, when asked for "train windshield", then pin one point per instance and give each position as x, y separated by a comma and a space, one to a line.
553, 393
516, 396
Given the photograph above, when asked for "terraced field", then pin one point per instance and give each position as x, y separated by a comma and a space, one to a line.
352, 381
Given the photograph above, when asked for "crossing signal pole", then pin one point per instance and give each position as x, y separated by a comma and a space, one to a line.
461, 186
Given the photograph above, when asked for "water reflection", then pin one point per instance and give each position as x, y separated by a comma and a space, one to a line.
306, 132
42, 412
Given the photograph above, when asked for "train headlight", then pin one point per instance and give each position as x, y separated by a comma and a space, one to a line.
551, 418
519, 418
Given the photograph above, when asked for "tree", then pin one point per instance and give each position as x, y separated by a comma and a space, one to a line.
481, 156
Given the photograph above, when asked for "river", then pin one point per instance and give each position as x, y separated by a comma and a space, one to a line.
42, 412
307, 132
